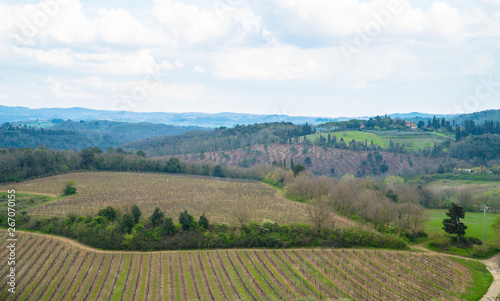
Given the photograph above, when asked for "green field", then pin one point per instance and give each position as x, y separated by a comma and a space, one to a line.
473, 221
412, 139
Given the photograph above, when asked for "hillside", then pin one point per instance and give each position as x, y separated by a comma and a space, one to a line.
219, 199
479, 117
56, 268
220, 139
61, 135
321, 160
413, 140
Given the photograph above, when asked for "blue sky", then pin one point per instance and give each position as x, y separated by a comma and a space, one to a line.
296, 57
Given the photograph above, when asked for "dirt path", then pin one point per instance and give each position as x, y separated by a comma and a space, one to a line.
492, 264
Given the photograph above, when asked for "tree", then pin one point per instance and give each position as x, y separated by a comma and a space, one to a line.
109, 213
136, 213
169, 226
69, 188
421, 124
127, 223
203, 222
174, 165
241, 213
218, 172
141, 153
452, 224
157, 217
186, 220
297, 169
318, 213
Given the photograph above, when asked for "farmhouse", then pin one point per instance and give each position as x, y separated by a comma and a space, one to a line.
411, 124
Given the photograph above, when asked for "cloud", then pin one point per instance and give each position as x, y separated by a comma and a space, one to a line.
195, 24
325, 18
55, 57
277, 63
198, 69
54, 23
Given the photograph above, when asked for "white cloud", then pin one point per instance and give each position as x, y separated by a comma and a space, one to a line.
4, 96
277, 63
64, 90
52, 23
178, 64
198, 69
55, 57
192, 24
325, 18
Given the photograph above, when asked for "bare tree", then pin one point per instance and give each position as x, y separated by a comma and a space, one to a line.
318, 213
241, 213
411, 217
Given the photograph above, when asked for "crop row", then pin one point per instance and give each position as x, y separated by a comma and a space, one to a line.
50, 269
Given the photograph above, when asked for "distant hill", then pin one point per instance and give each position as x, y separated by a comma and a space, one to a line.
220, 139
14, 114
212, 120
60, 135
479, 117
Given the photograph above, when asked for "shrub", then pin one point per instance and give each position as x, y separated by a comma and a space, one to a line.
69, 188
440, 241
481, 251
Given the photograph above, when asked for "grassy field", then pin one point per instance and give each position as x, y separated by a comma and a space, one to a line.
217, 198
53, 268
412, 139
473, 220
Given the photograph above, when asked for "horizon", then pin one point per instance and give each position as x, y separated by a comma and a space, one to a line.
261, 114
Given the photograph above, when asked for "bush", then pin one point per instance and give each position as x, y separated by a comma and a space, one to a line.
440, 241
482, 251
69, 188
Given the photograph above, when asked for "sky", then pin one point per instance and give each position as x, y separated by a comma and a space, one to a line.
326, 58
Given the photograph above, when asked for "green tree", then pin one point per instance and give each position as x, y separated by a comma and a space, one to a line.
157, 217
203, 222
127, 223
452, 224
169, 226
218, 172
109, 213
297, 169
136, 213
186, 220
69, 188
141, 153
174, 165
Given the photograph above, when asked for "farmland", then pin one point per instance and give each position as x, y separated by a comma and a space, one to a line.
217, 198
55, 268
412, 139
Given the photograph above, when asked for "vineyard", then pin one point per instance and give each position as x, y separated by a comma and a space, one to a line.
217, 198
55, 268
